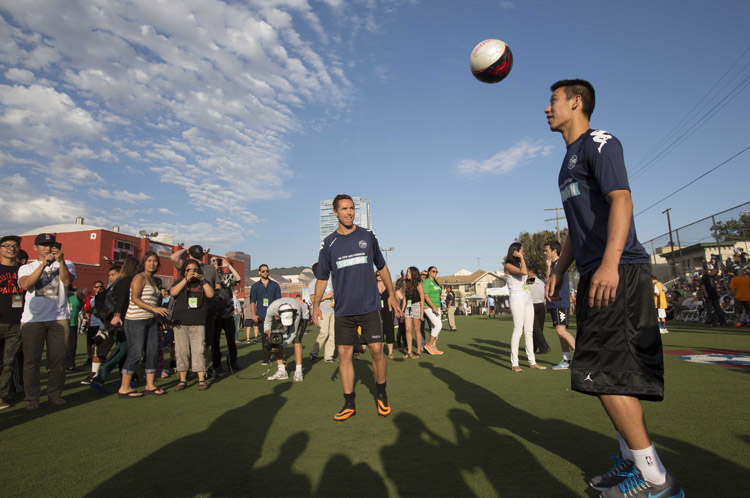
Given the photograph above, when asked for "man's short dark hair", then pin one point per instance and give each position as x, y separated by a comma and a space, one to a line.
579, 87
554, 246
261, 266
338, 198
534, 269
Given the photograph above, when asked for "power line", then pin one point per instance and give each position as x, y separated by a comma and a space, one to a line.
678, 137
692, 182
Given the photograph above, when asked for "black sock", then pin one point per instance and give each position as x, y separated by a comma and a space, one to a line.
381, 390
349, 399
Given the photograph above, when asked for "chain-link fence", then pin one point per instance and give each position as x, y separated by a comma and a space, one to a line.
721, 236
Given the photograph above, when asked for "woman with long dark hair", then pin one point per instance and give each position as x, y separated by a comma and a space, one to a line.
432, 311
142, 327
521, 307
412, 310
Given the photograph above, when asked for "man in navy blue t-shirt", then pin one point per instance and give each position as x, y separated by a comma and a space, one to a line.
560, 309
262, 294
348, 256
618, 355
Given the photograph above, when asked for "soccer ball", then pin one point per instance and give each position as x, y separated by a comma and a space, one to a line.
491, 61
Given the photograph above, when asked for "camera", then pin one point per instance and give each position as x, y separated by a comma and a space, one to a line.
275, 340
101, 336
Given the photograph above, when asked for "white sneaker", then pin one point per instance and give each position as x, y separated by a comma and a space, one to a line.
279, 375
298, 377
563, 365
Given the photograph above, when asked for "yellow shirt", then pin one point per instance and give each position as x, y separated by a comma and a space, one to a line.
660, 300
741, 288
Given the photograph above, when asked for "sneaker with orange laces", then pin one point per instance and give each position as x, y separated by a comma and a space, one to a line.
345, 414
384, 409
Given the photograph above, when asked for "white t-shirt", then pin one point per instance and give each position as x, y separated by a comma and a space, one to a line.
519, 290
46, 301
537, 291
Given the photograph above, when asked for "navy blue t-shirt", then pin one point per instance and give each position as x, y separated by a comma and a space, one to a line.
263, 296
564, 301
593, 167
350, 259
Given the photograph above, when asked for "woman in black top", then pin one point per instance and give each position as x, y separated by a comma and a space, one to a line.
191, 300
121, 291
386, 315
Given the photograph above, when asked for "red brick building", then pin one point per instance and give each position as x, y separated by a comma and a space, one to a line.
93, 250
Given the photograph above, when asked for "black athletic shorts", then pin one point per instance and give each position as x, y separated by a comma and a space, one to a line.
300, 332
345, 328
559, 316
618, 348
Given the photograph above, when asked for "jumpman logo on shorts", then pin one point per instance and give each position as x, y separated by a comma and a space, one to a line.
588, 378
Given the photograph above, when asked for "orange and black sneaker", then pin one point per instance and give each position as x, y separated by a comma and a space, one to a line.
384, 409
345, 414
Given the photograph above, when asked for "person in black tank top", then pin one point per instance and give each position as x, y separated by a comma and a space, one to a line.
386, 315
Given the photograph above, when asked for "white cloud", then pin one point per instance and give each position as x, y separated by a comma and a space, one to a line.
507, 5
24, 207
165, 211
121, 195
19, 75
506, 160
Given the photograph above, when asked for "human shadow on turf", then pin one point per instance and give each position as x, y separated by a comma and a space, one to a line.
422, 462
572, 442
214, 462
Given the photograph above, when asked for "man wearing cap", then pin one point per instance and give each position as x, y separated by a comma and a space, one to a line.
45, 318
11, 307
291, 317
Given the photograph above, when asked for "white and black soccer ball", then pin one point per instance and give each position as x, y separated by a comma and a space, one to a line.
491, 61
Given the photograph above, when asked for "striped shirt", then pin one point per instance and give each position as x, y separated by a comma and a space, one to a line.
151, 296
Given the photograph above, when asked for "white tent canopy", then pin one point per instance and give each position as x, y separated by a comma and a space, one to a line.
498, 291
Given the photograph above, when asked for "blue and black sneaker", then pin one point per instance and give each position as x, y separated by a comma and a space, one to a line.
634, 486
619, 472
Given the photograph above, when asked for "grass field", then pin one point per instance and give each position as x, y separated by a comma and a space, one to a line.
462, 425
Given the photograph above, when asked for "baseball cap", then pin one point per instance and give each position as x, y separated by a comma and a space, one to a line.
14, 238
196, 252
286, 314
44, 238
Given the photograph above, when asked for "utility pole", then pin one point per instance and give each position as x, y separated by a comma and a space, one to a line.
557, 221
386, 251
671, 242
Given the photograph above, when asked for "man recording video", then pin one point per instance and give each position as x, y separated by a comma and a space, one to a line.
285, 323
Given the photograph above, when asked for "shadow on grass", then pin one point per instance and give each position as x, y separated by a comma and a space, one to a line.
571, 442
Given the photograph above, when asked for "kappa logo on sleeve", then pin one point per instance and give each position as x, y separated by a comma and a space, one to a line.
601, 137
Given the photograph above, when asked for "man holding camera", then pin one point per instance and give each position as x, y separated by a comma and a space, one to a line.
285, 323
45, 318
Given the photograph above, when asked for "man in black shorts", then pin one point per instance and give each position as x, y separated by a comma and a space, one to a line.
618, 354
348, 256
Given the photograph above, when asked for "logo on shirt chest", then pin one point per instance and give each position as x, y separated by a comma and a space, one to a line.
572, 162
362, 244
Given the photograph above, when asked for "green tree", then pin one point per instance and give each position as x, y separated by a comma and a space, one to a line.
733, 230
533, 244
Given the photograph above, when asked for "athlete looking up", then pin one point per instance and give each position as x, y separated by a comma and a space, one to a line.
618, 355
348, 256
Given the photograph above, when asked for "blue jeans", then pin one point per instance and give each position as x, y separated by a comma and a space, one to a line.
140, 333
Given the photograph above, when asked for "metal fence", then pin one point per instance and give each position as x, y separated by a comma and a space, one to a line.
714, 236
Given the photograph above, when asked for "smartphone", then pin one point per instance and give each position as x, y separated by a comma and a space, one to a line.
58, 246
218, 262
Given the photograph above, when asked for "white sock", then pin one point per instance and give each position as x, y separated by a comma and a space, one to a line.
624, 450
298, 369
566, 356
281, 368
95, 367
647, 461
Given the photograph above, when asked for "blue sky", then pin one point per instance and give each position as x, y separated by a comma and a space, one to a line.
226, 123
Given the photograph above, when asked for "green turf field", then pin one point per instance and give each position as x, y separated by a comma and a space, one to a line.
462, 425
